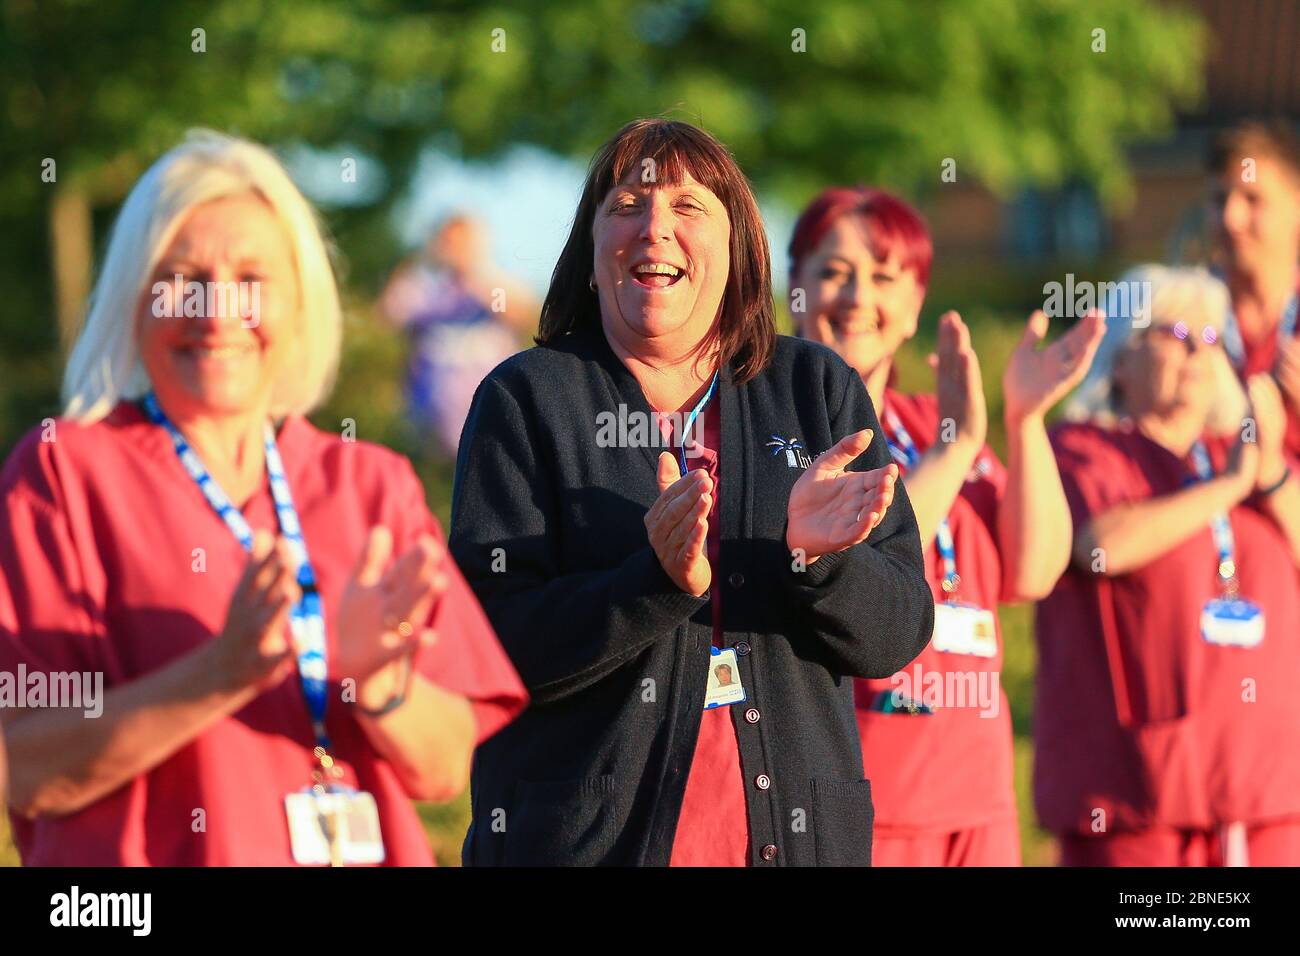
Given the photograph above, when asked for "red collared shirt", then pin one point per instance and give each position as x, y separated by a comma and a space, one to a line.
713, 829
1137, 716
112, 561
951, 769
1260, 356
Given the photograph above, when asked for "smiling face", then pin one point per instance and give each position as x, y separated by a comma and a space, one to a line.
1165, 371
1259, 220
862, 306
221, 362
662, 258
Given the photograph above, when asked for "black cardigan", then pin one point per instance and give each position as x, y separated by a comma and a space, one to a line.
547, 527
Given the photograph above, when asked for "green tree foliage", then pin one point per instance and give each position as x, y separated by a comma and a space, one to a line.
805, 93
1010, 90
1014, 90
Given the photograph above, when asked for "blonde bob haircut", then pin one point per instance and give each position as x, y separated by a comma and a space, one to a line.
1171, 294
105, 367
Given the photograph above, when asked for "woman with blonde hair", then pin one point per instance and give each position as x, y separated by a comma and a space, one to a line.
278, 687
1168, 652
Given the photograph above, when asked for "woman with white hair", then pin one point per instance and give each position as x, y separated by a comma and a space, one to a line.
1167, 719
277, 685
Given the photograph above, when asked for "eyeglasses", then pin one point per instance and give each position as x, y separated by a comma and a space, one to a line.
1179, 332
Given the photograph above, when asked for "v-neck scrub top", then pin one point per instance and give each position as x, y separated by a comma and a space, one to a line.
951, 769
112, 561
712, 830
1260, 355
1139, 722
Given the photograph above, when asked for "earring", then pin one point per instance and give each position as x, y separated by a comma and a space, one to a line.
591, 283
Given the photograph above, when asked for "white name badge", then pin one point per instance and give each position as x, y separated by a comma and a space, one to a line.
724, 686
339, 827
964, 629
1232, 623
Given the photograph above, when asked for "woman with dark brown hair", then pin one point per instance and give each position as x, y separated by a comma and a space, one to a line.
588, 518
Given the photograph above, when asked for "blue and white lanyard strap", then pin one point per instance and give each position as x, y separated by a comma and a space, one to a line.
307, 619
1220, 526
904, 452
1235, 346
690, 421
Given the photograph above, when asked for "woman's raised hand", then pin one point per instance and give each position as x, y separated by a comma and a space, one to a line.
254, 648
1269, 412
385, 607
678, 525
959, 386
1036, 379
1287, 371
832, 509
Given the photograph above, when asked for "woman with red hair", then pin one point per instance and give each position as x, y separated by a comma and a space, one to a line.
936, 737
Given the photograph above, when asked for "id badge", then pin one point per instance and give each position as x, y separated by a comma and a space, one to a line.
350, 817
896, 702
724, 686
1232, 623
964, 629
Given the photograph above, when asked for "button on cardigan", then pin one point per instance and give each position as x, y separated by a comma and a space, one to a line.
548, 528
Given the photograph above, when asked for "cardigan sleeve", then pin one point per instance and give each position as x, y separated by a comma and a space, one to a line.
868, 606
564, 632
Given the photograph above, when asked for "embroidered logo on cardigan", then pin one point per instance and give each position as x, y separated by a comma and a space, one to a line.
795, 456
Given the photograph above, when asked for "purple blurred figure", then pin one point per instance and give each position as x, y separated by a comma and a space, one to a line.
463, 317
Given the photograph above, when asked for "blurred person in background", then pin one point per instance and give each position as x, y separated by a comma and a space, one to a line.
266, 708
1255, 207
619, 576
1167, 720
463, 317
942, 775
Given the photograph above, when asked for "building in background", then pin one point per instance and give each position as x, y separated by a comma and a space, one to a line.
1252, 71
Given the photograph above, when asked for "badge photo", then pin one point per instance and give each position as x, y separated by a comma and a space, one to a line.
343, 821
964, 629
724, 687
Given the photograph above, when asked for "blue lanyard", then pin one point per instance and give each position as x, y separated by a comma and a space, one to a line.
904, 451
1220, 526
690, 421
1235, 345
307, 619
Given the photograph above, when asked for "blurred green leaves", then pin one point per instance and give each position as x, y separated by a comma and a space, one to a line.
1010, 88
884, 91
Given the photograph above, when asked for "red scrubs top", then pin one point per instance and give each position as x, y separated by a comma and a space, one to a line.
1136, 714
952, 769
713, 829
100, 571
1260, 356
